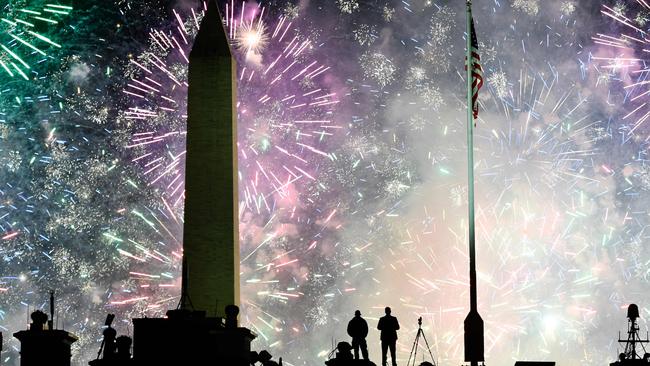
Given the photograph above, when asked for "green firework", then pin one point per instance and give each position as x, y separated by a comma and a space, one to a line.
27, 35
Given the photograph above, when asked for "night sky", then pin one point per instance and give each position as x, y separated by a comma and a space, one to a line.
352, 170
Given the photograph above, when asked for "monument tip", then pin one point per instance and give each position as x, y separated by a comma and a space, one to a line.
212, 38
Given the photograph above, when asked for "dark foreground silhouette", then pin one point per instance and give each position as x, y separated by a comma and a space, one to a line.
630, 357
388, 325
344, 357
358, 330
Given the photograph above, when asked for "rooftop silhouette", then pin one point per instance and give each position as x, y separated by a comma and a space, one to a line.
41, 344
185, 335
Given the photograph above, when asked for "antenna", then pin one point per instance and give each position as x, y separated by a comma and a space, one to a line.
50, 323
632, 335
185, 302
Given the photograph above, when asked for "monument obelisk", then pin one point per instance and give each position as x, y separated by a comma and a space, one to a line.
210, 238
197, 330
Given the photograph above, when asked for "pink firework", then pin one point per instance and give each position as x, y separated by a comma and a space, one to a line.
285, 108
622, 56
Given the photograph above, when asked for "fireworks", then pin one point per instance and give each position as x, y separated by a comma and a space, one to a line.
622, 58
388, 13
291, 11
433, 51
567, 7
530, 7
365, 34
536, 134
286, 119
251, 37
352, 178
154, 257
23, 40
499, 82
431, 96
442, 22
348, 6
378, 68
284, 114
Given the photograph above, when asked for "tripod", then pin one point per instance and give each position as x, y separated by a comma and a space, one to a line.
414, 349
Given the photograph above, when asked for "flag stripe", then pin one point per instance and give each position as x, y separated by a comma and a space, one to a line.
477, 71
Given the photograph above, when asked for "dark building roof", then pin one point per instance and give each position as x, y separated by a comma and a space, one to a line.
40, 346
187, 335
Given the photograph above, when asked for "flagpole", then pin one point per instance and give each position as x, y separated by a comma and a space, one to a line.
473, 323
470, 163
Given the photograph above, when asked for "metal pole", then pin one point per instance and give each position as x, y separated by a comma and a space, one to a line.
470, 164
50, 323
473, 325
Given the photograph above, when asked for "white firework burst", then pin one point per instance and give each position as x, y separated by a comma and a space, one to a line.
348, 6
365, 34
252, 37
499, 82
567, 7
388, 13
530, 7
379, 68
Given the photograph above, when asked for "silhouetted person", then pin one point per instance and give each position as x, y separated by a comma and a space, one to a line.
388, 326
343, 355
358, 330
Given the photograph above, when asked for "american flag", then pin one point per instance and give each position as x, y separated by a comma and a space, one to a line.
477, 72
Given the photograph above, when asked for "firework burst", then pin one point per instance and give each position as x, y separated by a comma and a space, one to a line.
286, 121
621, 57
24, 35
285, 112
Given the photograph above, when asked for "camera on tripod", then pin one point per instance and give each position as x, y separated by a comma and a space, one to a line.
416, 344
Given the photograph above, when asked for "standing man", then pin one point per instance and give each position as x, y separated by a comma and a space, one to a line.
388, 326
358, 330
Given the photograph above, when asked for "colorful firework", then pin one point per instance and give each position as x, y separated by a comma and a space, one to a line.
621, 57
154, 255
285, 110
286, 121
25, 39
539, 130
561, 182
